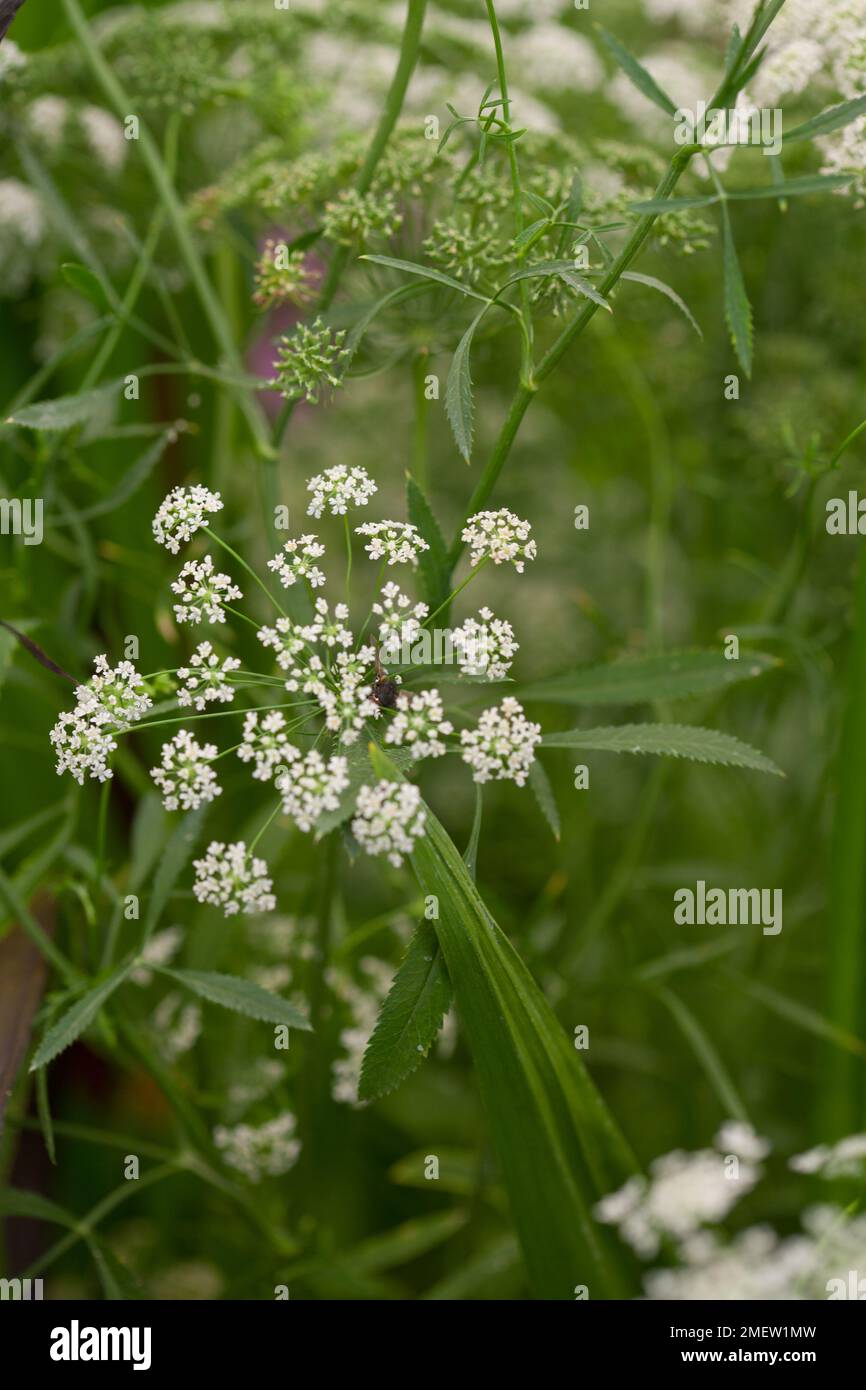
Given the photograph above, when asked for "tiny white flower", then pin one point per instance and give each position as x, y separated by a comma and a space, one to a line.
267, 1150
113, 696
183, 512
206, 678
344, 692
502, 745
231, 878
419, 724
400, 620
295, 562
186, 778
266, 742
486, 648
331, 632
740, 1139
338, 488
285, 641
500, 536
82, 746
176, 1022
160, 949
312, 785
398, 542
202, 591
389, 818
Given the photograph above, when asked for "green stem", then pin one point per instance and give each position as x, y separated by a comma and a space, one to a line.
454, 592
249, 569
259, 833
348, 535
102, 817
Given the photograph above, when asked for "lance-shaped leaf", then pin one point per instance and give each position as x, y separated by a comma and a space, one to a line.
671, 740
428, 273
558, 1146
738, 310
540, 784
433, 562
174, 858
410, 1017
666, 290
660, 676
637, 73
459, 405
833, 119
63, 412
242, 996
72, 1024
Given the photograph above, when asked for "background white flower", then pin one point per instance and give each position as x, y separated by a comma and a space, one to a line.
419, 724
295, 561
339, 488
398, 542
502, 745
311, 786
266, 743
206, 678
268, 1150
500, 536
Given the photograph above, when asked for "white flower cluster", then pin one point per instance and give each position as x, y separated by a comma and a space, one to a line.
486, 648
499, 536
176, 1023
363, 1001
184, 511
555, 59
286, 644
205, 679
186, 778
295, 562
330, 632
268, 1150
231, 878
266, 743
388, 819
339, 488
110, 701
312, 785
344, 692
419, 724
398, 542
202, 591
503, 744
400, 619
846, 1159
684, 1192
160, 949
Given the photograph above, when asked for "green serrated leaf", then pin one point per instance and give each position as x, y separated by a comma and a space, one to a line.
661, 676
637, 73
458, 391
410, 1017
433, 562
242, 996
428, 273
738, 310
664, 289
17, 1201
671, 740
540, 784
74, 1022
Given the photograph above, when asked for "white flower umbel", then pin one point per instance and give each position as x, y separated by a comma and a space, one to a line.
485, 648
312, 785
737, 1138
398, 542
338, 489
846, 1159
82, 747
419, 724
502, 745
331, 632
400, 620
206, 678
202, 591
388, 820
230, 877
267, 1150
184, 511
684, 1192
295, 562
500, 536
186, 778
176, 1022
266, 743
162, 947
117, 697
284, 641
344, 692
